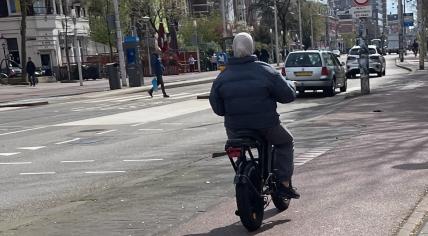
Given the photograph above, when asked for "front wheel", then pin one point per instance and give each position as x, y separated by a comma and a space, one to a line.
248, 199
281, 204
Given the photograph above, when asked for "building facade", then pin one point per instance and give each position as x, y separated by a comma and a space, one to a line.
53, 27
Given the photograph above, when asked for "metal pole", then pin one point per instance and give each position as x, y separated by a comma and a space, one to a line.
78, 57
300, 24
195, 24
148, 51
422, 35
400, 30
312, 32
119, 44
223, 16
364, 58
276, 34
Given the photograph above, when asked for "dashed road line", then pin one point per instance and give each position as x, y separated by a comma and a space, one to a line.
78, 161
171, 123
38, 173
31, 148
150, 129
105, 172
16, 163
24, 130
195, 129
68, 141
6, 154
107, 131
143, 160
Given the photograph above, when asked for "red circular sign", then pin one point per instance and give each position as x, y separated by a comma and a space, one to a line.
361, 2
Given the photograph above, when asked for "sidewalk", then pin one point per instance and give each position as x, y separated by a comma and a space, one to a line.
410, 63
14, 93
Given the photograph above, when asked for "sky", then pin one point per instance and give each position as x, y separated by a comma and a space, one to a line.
392, 6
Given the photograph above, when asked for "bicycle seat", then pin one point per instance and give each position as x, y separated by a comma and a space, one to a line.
246, 138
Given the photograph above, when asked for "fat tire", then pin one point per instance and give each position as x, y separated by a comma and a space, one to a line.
250, 204
280, 203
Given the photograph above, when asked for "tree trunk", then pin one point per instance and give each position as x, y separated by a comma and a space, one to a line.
24, 7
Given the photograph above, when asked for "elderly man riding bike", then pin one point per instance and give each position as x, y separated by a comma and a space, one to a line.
246, 94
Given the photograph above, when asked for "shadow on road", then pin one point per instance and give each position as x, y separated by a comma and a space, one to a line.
412, 166
238, 229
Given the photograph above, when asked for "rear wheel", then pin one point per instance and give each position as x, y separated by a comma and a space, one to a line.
344, 87
248, 199
331, 91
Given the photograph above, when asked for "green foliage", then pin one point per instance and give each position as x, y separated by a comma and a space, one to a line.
208, 30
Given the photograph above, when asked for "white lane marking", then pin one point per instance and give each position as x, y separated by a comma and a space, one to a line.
188, 95
78, 161
6, 154
143, 160
171, 123
38, 173
299, 164
145, 115
195, 129
31, 148
9, 108
105, 172
107, 131
24, 130
16, 163
68, 141
150, 129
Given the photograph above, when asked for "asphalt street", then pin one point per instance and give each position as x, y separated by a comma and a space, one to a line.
135, 165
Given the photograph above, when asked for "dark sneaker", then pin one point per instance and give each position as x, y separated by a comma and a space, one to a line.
285, 192
150, 92
166, 96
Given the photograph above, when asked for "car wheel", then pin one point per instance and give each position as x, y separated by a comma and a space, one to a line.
331, 91
344, 87
384, 72
379, 74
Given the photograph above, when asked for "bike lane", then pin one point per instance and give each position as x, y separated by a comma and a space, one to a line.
368, 184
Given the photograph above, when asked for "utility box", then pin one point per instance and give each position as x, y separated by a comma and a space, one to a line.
113, 76
131, 47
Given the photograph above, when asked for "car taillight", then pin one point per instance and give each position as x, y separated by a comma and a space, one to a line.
233, 152
324, 71
375, 58
283, 72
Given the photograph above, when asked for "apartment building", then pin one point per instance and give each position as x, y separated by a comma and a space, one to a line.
52, 26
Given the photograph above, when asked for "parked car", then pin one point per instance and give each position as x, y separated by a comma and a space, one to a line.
15, 70
377, 62
336, 52
315, 70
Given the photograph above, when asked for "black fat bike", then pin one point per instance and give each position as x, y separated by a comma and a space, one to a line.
255, 178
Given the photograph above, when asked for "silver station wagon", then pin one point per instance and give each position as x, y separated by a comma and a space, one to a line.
315, 70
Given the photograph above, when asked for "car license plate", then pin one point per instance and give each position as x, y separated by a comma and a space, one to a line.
303, 73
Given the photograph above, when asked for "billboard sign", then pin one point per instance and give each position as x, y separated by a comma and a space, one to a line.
408, 19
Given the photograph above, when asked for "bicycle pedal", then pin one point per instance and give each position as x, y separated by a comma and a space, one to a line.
237, 212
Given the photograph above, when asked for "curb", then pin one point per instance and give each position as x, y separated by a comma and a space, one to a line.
146, 88
24, 104
403, 67
415, 221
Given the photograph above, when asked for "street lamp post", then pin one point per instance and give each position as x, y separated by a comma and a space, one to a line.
276, 33
195, 24
119, 44
312, 32
146, 21
271, 42
6, 59
77, 49
300, 24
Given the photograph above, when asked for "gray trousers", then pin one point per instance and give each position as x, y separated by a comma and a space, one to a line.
283, 142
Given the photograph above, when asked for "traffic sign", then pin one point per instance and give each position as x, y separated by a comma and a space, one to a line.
361, 11
361, 2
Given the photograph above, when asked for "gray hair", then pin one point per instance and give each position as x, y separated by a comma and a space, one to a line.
243, 45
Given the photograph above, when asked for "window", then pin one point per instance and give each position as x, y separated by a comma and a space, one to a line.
303, 60
3, 8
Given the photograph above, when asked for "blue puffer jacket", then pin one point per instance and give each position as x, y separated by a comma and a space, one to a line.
246, 94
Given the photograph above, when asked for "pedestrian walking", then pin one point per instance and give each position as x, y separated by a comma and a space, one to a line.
214, 62
192, 63
415, 47
31, 71
158, 69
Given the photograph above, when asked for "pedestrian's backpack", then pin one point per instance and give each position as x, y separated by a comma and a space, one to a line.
155, 84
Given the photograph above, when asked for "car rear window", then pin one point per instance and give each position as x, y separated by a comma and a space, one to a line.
355, 51
303, 60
